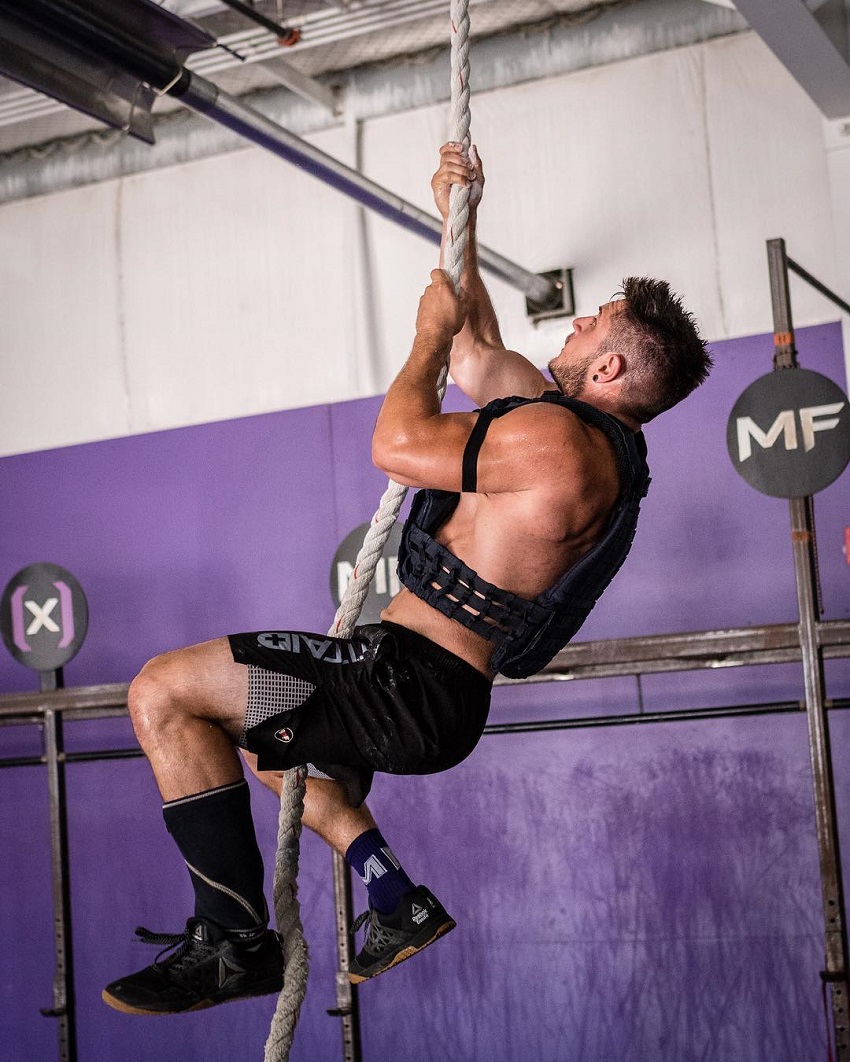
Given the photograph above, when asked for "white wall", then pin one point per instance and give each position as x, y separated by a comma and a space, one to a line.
238, 285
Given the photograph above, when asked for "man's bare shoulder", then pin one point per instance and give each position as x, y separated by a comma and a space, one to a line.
552, 425
560, 453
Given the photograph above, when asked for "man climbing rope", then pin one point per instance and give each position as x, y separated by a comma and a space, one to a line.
526, 510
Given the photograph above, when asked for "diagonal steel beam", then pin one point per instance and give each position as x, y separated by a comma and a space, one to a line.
805, 49
308, 88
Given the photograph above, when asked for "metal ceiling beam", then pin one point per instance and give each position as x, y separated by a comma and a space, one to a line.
106, 58
308, 88
369, 92
147, 43
806, 48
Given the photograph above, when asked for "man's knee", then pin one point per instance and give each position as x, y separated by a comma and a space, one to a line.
152, 698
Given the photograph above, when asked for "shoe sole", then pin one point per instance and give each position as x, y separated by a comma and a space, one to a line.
405, 953
204, 1004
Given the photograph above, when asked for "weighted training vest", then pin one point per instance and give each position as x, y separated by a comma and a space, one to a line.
526, 634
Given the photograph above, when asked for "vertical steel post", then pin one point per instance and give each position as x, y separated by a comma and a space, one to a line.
806, 575
346, 993
63, 978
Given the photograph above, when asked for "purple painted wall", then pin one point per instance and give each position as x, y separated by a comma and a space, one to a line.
642, 894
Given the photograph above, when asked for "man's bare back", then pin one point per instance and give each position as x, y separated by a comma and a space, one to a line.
524, 539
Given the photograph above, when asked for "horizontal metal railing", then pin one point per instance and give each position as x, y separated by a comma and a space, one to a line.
608, 658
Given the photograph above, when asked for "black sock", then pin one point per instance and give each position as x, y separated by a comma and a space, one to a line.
214, 831
382, 874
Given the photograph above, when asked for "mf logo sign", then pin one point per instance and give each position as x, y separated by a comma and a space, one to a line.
384, 585
811, 418
789, 433
43, 616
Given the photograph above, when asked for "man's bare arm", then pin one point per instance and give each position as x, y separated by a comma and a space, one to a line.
413, 442
417, 445
481, 365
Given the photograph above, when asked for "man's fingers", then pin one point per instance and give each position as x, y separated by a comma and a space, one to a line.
475, 159
459, 166
454, 171
454, 153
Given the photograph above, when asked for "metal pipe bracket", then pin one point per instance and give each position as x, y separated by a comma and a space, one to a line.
562, 301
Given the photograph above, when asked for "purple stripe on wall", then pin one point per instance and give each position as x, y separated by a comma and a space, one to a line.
183, 535
647, 894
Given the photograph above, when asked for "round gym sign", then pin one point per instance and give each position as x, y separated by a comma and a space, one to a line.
789, 433
43, 616
384, 585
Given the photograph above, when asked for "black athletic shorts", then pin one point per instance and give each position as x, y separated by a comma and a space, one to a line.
385, 699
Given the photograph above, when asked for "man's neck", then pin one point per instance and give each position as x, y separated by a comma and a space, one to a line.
609, 408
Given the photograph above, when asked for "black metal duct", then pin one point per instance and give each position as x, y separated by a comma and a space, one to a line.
106, 58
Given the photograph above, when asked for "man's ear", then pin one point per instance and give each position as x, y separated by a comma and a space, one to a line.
609, 367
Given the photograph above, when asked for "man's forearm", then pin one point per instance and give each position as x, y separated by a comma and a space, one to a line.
412, 398
480, 363
482, 325
481, 328
415, 387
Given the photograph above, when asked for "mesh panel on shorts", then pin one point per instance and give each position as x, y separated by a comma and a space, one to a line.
270, 692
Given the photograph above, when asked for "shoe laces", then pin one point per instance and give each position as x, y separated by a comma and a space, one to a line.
359, 921
379, 938
189, 947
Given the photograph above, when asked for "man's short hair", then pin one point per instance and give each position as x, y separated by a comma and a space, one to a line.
665, 356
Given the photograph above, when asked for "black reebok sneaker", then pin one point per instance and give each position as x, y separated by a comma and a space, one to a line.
391, 938
207, 968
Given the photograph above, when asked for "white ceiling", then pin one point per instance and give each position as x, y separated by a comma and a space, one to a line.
340, 35
336, 35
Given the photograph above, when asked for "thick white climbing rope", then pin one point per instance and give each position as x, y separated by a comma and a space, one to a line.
286, 906
459, 121
288, 917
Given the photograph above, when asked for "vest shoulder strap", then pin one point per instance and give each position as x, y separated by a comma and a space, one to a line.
500, 406
469, 468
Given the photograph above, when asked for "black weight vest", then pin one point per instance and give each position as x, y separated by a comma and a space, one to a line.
526, 634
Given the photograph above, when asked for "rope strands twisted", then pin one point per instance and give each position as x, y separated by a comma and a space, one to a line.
286, 905
287, 911
459, 122
367, 560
